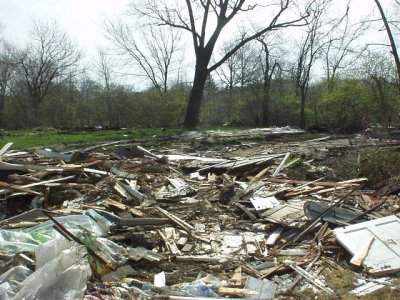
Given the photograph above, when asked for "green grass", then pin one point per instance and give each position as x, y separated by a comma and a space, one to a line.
49, 137
25, 139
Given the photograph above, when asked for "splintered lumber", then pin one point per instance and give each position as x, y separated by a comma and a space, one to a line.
347, 183
134, 193
291, 252
235, 292
93, 171
5, 148
323, 191
122, 207
310, 278
281, 165
43, 182
274, 236
259, 175
53, 154
312, 223
291, 163
278, 269
250, 271
237, 278
20, 178
18, 188
362, 253
246, 211
240, 163
144, 221
8, 166
120, 190
299, 277
202, 259
171, 246
160, 158
178, 221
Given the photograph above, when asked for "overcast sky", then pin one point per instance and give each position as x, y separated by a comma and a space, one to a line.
82, 19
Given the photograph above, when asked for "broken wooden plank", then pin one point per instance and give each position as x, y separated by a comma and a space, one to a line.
43, 182
160, 158
132, 192
360, 255
202, 259
5, 148
310, 278
176, 220
274, 236
235, 292
171, 246
18, 188
143, 221
291, 252
247, 211
280, 167
258, 176
347, 183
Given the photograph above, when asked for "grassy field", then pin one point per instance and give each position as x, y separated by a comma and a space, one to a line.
25, 139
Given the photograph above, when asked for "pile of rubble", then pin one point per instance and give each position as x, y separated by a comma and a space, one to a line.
122, 222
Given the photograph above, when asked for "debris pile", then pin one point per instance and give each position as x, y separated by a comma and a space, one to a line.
118, 221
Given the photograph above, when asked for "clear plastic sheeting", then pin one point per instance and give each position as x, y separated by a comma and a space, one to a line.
15, 241
51, 250
64, 277
10, 281
111, 252
203, 287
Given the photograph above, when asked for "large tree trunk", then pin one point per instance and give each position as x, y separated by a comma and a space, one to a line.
196, 96
265, 105
391, 39
302, 109
1, 112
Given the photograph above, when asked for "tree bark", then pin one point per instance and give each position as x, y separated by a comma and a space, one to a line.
391, 39
1, 112
196, 95
265, 105
302, 123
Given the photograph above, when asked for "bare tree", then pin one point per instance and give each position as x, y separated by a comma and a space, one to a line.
391, 38
270, 66
103, 67
378, 70
155, 51
308, 52
239, 69
204, 20
7, 67
48, 61
341, 48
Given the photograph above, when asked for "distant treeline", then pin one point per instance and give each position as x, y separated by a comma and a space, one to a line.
349, 105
